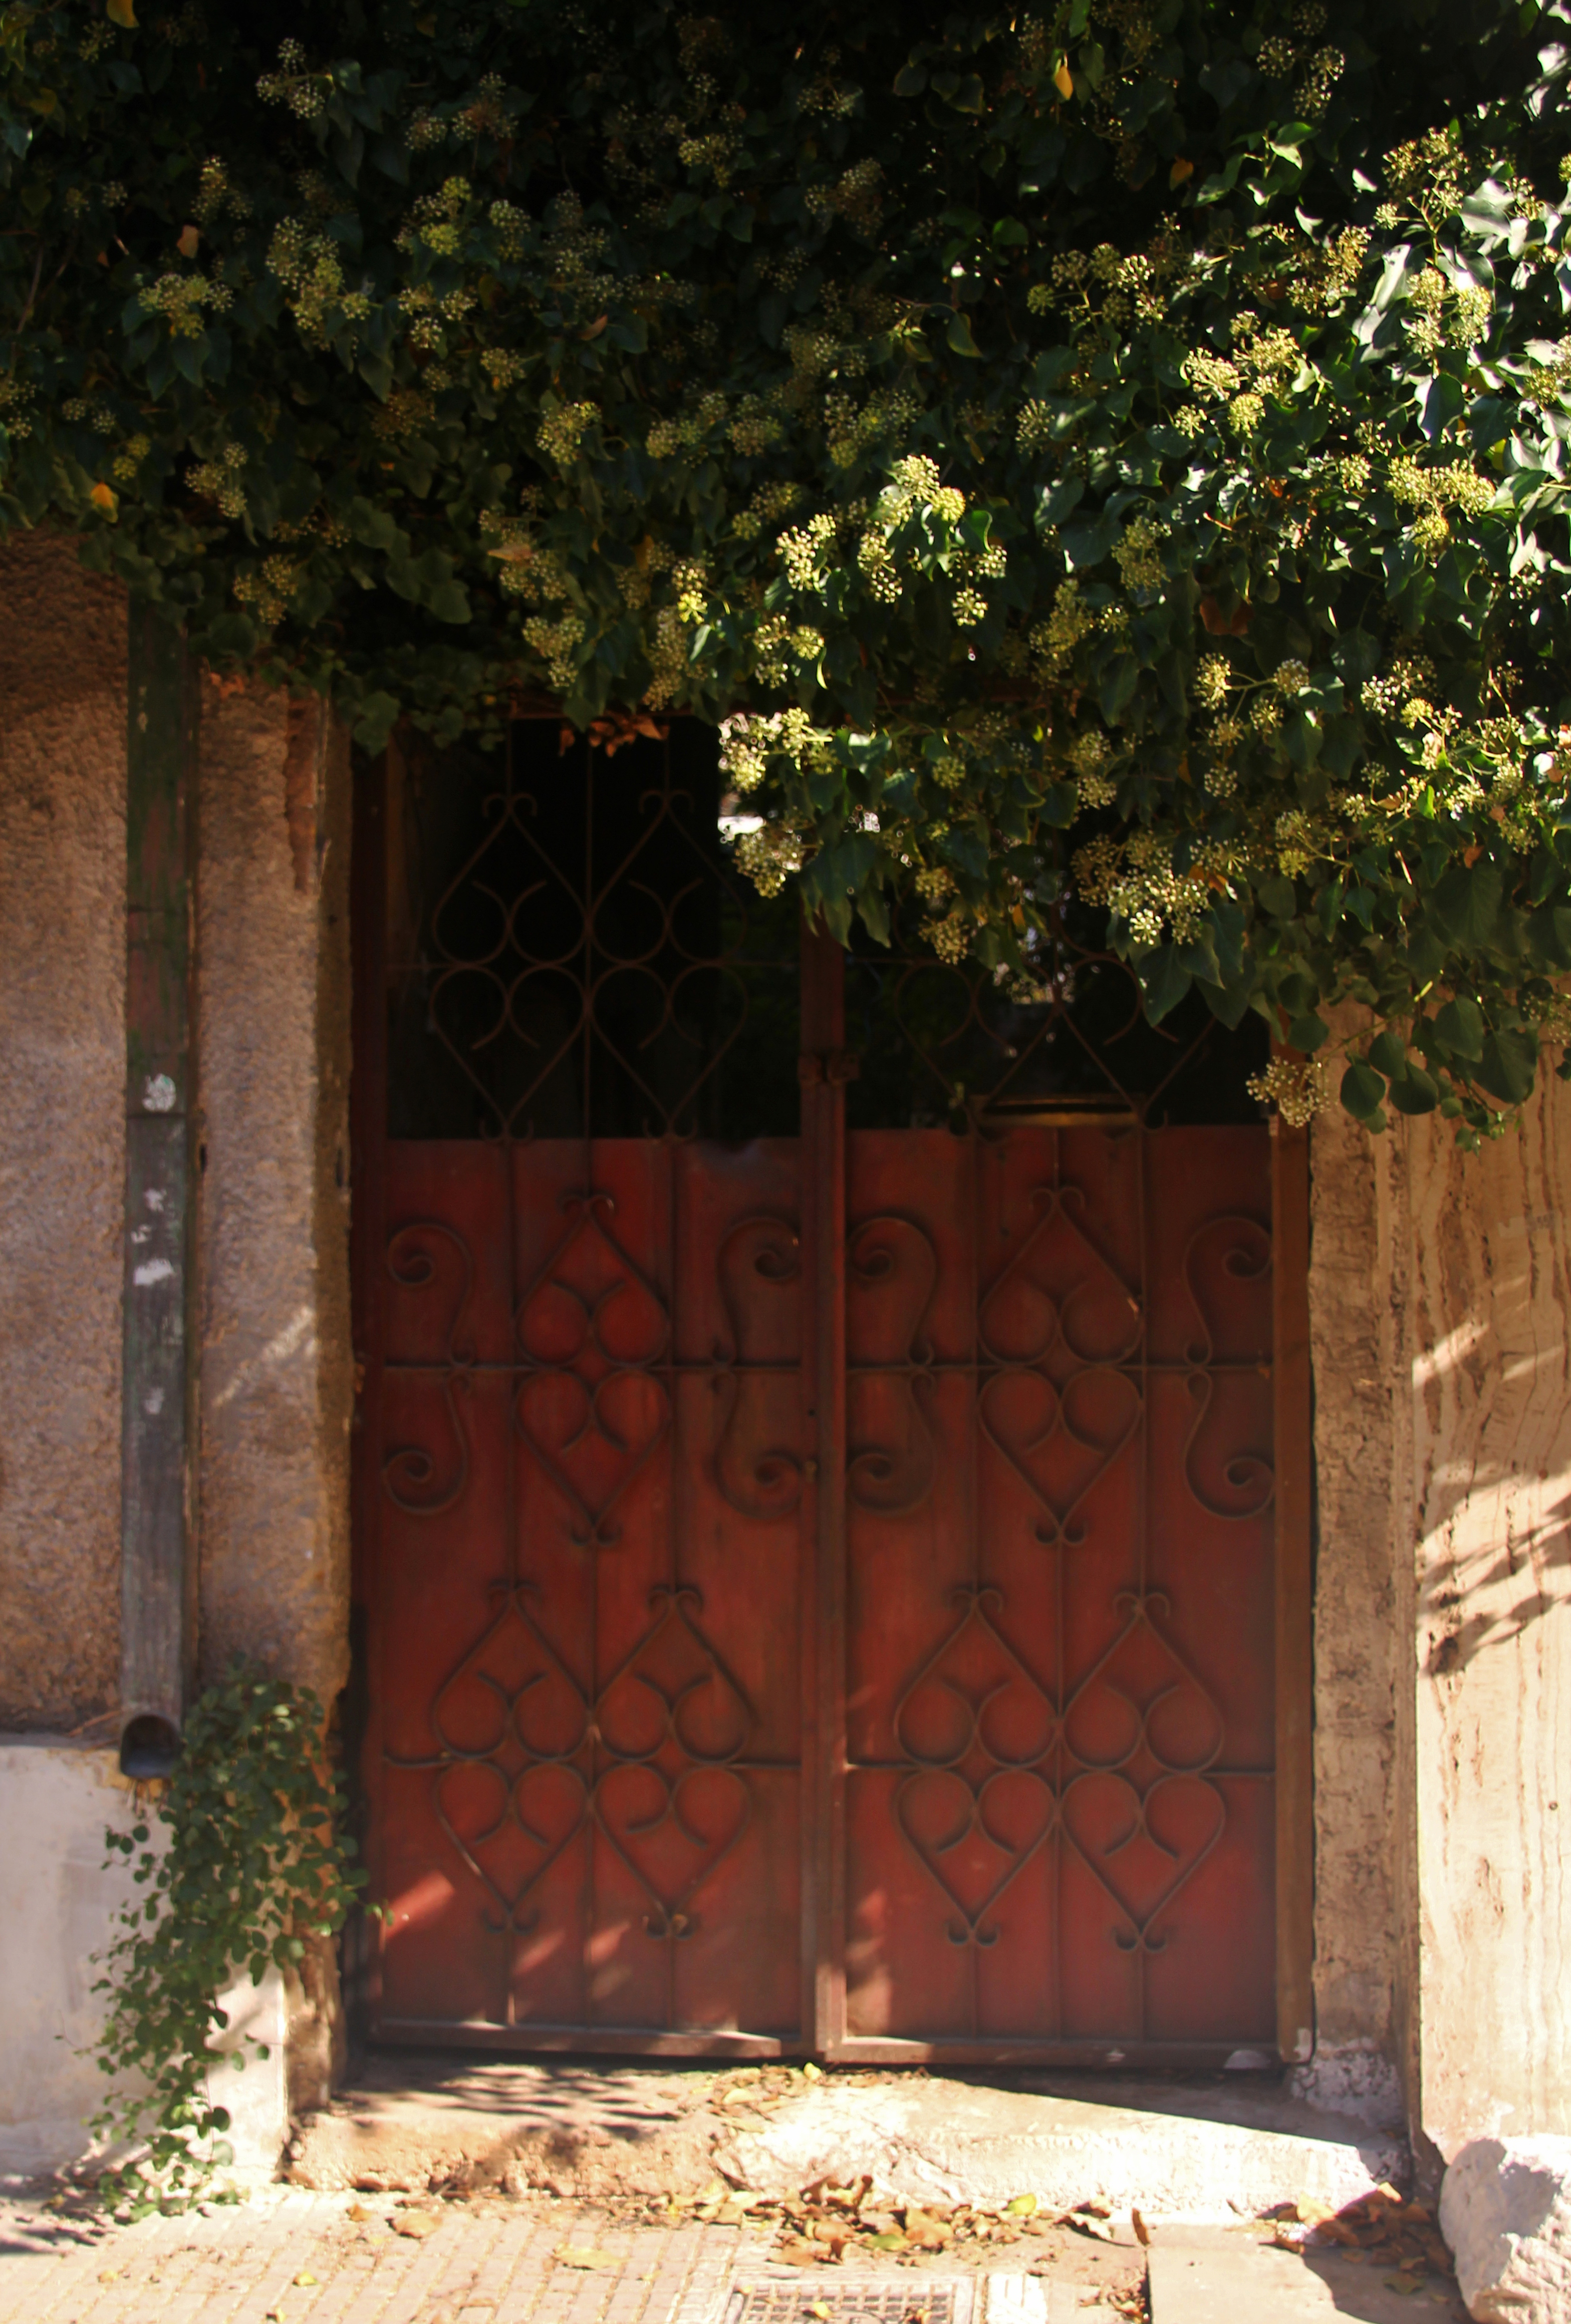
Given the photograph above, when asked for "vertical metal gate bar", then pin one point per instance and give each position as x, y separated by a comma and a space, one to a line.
823, 1147
376, 793
590, 1894
1291, 1395
1145, 1162
970, 1482
158, 1415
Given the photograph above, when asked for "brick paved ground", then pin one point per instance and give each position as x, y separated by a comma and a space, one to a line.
244, 2266
531, 2261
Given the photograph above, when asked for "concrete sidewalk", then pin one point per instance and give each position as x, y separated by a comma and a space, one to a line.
285, 2257
447, 2191
1204, 2147
296, 2258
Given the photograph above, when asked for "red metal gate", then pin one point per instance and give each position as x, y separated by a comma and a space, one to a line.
820, 1587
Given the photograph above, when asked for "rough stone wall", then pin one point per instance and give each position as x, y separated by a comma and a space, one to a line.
273, 1060
1440, 1297
1490, 1239
1357, 1322
63, 968
273, 1013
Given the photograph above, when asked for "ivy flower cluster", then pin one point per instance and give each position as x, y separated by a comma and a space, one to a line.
1121, 457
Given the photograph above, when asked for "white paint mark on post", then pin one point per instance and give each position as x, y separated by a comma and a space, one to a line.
158, 1093
152, 1403
154, 1198
152, 1271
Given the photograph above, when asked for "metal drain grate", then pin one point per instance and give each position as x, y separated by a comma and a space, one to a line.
874, 2300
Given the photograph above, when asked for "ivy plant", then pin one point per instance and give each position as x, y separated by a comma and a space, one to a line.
241, 1858
1117, 448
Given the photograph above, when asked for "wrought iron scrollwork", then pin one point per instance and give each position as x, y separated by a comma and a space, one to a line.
581, 1348
410, 1471
1120, 1767
970, 1785
590, 965
523, 1748
757, 1480
1070, 1038
655, 1758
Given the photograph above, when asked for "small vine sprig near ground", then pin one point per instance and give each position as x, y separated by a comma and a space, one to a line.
252, 1862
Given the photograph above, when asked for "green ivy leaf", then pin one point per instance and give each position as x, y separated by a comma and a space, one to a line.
1507, 1065
1363, 1090
1459, 1025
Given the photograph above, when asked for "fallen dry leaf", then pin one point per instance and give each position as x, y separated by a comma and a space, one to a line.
305, 2276
586, 2256
414, 2223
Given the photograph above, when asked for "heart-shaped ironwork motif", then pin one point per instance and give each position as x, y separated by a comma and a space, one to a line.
592, 1438
510, 1834
1141, 1699
974, 1703
1142, 1847
1060, 1443
972, 1838
672, 1831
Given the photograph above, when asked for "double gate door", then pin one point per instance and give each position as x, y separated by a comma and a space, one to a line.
819, 1585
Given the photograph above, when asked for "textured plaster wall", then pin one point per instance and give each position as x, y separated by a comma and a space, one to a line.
1441, 1313
273, 1042
272, 1018
59, 1907
1356, 1322
62, 849
1491, 1674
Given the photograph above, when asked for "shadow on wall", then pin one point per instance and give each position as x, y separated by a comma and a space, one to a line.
1546, 1547
1493, 1487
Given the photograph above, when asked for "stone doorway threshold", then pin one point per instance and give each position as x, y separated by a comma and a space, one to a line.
1210, 2147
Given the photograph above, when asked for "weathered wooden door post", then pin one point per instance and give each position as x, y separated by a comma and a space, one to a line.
158, 1407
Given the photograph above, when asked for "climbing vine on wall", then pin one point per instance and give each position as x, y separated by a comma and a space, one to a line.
1117, 446
248, 1861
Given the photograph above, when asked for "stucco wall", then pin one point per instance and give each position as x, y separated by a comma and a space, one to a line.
1357, 1321
58, 1903
62, 852
1441, 1307
1491, 1305
273, 1044
60, 1906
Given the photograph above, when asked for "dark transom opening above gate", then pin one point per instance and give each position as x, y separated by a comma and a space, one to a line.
572, 950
